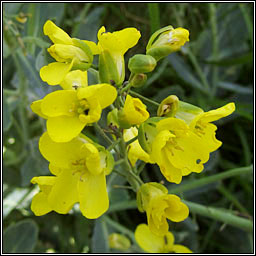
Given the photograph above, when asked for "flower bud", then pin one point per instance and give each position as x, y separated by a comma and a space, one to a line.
119, 242
112, 118
148, 191
165, 41
138, 80
141, 63
133, 113
168, 106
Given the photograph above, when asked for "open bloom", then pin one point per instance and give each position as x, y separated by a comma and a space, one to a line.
133, 113
69, 111
166, 40
134, 149
177, 150
68, 52
79, 168
112, 47
153, 198
152, 243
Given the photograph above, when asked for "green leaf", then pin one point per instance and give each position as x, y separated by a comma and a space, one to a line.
183, 71
90, 25
36, 40
230, 60
34, 165
235, 88
100, 237
20, 237
7, 118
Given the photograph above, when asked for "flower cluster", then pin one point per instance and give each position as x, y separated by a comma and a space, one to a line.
179, 139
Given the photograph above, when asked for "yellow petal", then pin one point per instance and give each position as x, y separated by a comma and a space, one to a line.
94, 48
59, 103
60, 155
148, 241
176, 211
40, 205
171, 173
93, 196
189, 153
36, 108
64, 128
119, 41
158, 144
207, 136
56, 34
55, 72
64, 192
92, 158
214, 115
176, 126
105, 93
55, 170
74, 79
43, 180
178, 248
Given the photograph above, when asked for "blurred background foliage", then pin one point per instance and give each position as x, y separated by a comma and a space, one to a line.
214, 68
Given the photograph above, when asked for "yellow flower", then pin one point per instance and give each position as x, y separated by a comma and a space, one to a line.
166, 40
135, 151
112, 48
119, 242
152, 243
80, 167
69, 111
68, 52
177, 150
153, 198
201, 125
133, 113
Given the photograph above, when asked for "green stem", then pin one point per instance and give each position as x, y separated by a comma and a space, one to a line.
144, 98
131, 140
140, 169
126, 88
119, 161
113, 145
119, 227
214, 178
102, 133
220, 215
123, 205
132, 178
213, 21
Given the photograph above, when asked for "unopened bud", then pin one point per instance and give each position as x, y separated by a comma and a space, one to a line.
165, 41
141, 63
168, 106
119, 242
138, 80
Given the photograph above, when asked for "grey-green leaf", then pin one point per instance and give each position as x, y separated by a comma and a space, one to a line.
20, 237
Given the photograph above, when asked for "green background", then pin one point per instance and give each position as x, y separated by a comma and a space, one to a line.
213, 69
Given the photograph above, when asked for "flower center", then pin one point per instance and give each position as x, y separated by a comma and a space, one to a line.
79, 166
83, 110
